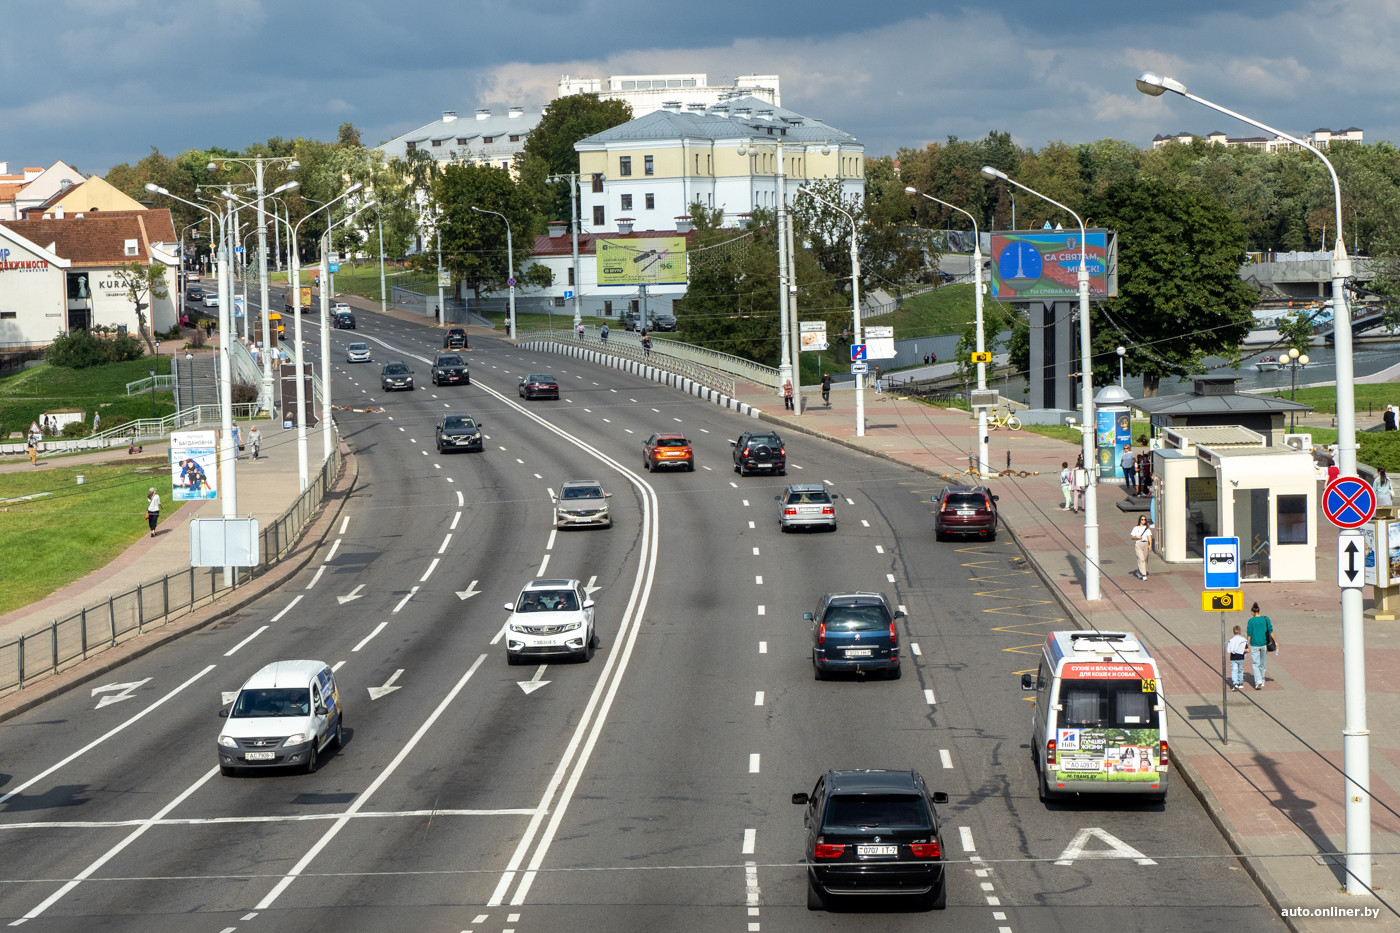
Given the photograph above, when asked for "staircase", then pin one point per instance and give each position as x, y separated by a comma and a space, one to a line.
196, 380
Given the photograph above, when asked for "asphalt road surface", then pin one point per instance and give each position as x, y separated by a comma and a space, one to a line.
645, 790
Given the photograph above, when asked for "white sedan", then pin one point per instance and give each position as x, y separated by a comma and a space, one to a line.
211, 301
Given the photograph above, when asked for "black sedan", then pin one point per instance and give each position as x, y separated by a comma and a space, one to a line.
458, 432
539, 385
396, 375
194, 293
854, 633
873, 832
451, 369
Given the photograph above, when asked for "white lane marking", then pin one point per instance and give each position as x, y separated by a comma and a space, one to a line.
750, 838
751, 524
366, 640
1117, 848
351, 596
796, 467
388, 688
499, 634
902, 608
758, 698
363, 798
335, 668
112, 853
914, 647
762, 610
549, 545
763, 647
429, 572
460, 502
758, 579
543, 564
864, 523
229, 653
755, 552
736, 486
745, 501
945, 757
879, 549
828, 482
519, 461
753, 763
445, 542
344, 524
657, 410
330, 555
850, 501
607, 421
751, 892
993, 901
928, 698
889, 577
703, 467
538, 476
704, 430
406, 598
123, 692
677, 420
965, 832
316, 576
629, 431
278, 617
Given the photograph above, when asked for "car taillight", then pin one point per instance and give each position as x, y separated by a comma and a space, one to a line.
789, 511
746, 451
1050, 752
821, 634
1163, 751
828, 850
894, 636
925, 850
828, 510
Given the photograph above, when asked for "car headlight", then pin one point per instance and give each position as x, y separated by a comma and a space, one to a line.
518, 629
228, 741
301, 738
573, 626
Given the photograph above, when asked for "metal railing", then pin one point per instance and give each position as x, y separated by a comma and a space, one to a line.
122, 616
707, 367
143, 431
144, 385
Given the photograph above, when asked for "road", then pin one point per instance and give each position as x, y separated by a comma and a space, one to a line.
645, 790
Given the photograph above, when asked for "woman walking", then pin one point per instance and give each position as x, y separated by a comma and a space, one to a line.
1385, 494
1142, 544
152, 509
1066, 485
1261, 634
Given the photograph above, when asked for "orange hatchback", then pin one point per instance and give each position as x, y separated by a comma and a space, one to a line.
667, 450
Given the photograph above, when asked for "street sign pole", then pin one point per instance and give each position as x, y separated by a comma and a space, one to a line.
1224, 690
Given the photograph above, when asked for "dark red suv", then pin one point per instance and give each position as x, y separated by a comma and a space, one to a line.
965, 510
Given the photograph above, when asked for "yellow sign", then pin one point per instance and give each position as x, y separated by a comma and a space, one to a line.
1222, 601
642, 261
305, 297
981, 357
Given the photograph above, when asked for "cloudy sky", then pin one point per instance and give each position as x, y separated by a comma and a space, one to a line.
99, 82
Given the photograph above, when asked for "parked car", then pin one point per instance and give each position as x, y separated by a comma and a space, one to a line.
965, 510
396, 375
451, 369
663, 321
455, 339
344, 320
854, 633
550, 617
631, 320
582, 502
759, 451
538, 385
283, 715
458, 432
873, 832
667, 450
357, 353
809, 505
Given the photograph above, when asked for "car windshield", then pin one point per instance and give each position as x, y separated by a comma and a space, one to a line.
450, 360
770, 439
887, 811
275, 701
583, 492
808, 498
547, 601
965, 500
396, 369
459, 424
869, 618
541, 378
357, 347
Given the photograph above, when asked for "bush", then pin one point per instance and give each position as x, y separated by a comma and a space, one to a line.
76, 429
244, 392
81, 349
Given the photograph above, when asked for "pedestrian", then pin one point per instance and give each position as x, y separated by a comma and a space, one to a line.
580, 330
1261, 642
646, 345
933, 357
1332, 470
1142, 544
603, 334
1237, 646
96, 420
255, 438
787, 395
879, 382
1128, 462
32, 442
826, 388
1389, 418
1080, 482
152, 509
925, 359
1066, 485
1385, 495
1144, 473
237, 441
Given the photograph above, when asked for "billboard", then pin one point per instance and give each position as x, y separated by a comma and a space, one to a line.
193, 465
633, 262
1043, 265
812, 335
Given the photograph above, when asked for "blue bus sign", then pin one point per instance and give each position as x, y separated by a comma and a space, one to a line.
1222, 563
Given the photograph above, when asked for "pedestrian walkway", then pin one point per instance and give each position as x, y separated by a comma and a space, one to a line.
1276, 788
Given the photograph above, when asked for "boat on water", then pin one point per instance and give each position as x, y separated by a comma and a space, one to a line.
1268, 364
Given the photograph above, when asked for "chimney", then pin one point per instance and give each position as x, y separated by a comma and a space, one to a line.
624, 224
515, 112
483, 114
558, 227
672, 105
684, 224
448, 116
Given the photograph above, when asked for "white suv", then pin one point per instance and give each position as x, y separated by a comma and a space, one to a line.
551, 617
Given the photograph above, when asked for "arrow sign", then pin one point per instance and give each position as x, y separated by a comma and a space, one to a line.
534, 683
116, 692
592, 588
388, 688
1349, 561
469, 592
353, 594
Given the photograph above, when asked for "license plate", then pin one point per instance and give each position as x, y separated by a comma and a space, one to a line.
859, 652
1081, 764
966, 512
259, 756
809, 509
877, 850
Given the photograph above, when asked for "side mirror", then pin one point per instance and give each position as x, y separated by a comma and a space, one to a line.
940, 796
607, 495
733, 443
321, 709
509, 608
899, 614
799, 799
996, 498
588, 604
807, 616
223, 714
1028, 682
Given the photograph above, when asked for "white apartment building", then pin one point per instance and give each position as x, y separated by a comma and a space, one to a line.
489, 139
1320, 138
692, 92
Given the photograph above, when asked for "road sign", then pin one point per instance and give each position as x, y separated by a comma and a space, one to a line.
334, 267
860, 367
1349, 502
857, 352
1222, 601
981, 357
511, 281
1222, 563
1351, 560
568, 293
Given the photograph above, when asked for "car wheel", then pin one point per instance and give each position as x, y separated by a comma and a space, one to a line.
817, 672
992, 536
894, 672
690, 467
590, 647
338, 740
646, 465
783, 528
938, 535
782, 472
937, 899
1045, 794
227, 770
816, 899
311, 758
467, 381
513, 658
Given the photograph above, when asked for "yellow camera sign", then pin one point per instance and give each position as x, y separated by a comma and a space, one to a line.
1222, 601
981, 357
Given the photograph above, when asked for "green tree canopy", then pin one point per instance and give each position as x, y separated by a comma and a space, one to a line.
473, 243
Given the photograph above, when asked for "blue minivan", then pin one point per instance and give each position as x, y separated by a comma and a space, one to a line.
854, 633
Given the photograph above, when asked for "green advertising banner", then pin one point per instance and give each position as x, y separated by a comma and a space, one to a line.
633, 262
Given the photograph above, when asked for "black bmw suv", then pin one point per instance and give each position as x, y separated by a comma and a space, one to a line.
873, 832
759, 451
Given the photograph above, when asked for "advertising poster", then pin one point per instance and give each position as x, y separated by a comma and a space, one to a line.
1043, 265
194, 465
813, 335
1383, 562
1113, 431
642, 261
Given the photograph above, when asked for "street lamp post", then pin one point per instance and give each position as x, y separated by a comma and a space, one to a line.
326, 335
1295, 360
855, 302
1086, 382
786, 367
153, 395
983, 461
1122, 352
1356, 751
510, 264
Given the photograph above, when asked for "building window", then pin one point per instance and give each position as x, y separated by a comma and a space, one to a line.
488, 139
515, 137
411, 146
8, 315
648, 166
607, 309
598, 215
629, 85
597, 183
651, 202
558, 302
1292, 519
624, 165
437, 143
697, 163
461, 140
571, 275
627, 202
131, 247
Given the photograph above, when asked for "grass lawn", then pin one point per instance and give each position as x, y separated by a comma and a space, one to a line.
25, 395
70, 530
1369, 397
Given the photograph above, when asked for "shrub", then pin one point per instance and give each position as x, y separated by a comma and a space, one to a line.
76, 429
81, 349
244, 392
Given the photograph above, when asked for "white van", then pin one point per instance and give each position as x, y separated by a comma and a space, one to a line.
283, 716
1098, 723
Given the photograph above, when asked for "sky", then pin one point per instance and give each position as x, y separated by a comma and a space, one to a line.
100, 82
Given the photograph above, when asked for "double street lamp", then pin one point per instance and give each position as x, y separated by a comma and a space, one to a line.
855, 301
510, 265
787, 371
1295, 360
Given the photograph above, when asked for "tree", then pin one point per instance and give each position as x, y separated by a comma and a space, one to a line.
1295, 330
1180, 296
731, 299
549, 147
142, 281
473, 243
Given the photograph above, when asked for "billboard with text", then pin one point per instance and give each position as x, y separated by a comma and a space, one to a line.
1043, 265
642, 261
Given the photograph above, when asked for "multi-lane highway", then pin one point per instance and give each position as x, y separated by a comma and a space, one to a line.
645, 790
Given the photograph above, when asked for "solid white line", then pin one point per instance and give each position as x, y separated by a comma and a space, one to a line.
751, 892
429, 572
928, 697
966, 833
914, 647
543, 564
750, 838
758, 698
330, 555
104, 737
316, 576
363, 798
377, 629
344, 524
268, 818
549, 545
278, 617
445, 542
945, 757
753, 763
229, 652
406, 598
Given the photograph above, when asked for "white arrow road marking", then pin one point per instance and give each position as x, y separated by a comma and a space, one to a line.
1117, 848
122, 692
534, 683
469, 592
353, 594
592, 586
388, 688
227, 696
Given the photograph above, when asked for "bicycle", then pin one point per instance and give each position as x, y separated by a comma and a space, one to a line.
1009, 420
